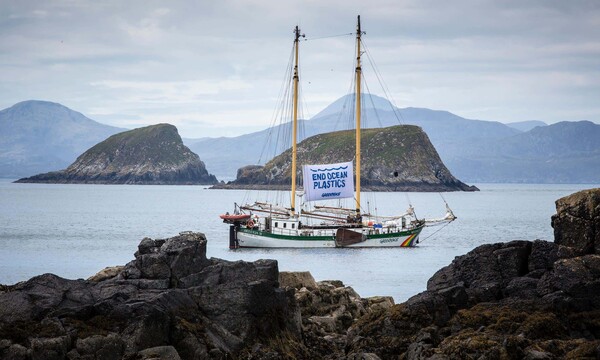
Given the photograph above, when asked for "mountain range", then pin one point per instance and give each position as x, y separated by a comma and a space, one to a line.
473, 150
38, 136
42, 136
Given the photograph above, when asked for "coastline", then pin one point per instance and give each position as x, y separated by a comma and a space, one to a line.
418, 187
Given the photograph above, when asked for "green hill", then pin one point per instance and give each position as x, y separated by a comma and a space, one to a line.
150, 155
396, 158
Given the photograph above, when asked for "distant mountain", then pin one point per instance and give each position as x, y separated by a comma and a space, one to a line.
473, 150
447, 132
149, 155
225, 155
379, 112
526, 125
565, 152
396, 158
346, 104
39, 136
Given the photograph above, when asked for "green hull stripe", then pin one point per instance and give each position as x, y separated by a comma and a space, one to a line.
327, 238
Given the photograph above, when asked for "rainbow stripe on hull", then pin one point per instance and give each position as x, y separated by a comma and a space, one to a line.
411, 240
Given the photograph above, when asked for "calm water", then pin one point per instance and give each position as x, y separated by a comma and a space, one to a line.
75, 230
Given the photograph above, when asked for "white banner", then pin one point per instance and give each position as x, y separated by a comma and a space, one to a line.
328, 181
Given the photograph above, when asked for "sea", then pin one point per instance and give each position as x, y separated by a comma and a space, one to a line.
76, 230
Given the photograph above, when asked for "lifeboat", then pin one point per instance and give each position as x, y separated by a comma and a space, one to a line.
230, 218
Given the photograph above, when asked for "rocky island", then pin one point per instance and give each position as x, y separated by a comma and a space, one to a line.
152, 155
514, 300
396, 158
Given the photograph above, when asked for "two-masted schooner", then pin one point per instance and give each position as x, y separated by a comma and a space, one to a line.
264, 225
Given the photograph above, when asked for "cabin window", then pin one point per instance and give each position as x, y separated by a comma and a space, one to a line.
293, 225
276, 223
284, 225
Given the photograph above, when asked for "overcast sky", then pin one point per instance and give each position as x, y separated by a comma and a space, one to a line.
215, 67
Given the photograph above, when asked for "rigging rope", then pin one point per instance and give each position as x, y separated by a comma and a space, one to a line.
327, 37
277, 135
435, 232
384, 87
442, 196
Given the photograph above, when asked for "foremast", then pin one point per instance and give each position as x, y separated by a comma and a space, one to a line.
296, 80
358, 112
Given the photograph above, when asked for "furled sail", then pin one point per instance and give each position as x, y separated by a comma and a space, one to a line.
328, 181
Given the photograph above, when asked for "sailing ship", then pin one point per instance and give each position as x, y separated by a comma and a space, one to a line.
266, 225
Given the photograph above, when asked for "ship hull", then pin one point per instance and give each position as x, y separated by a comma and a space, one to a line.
252, 238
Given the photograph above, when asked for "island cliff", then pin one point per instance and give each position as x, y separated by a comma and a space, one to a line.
515, 300
149, 155
396, 158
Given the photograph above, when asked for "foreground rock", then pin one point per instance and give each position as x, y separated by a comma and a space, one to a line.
516, 300
577, 222
328, 308
150, 155
170, 300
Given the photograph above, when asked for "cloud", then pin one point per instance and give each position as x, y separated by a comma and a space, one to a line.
173, 91
148, 30
210, 65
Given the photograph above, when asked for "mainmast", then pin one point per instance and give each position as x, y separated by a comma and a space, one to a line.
358, 111
295, 119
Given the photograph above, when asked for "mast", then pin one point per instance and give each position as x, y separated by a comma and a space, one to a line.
295, 120
358, 111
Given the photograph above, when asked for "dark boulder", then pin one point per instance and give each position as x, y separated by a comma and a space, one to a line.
485, 271
327, 310
577, 221
170, 302
515, 300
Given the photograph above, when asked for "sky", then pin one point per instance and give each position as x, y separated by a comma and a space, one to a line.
215, 68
